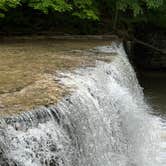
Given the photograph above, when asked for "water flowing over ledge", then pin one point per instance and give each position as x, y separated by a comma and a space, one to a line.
103, 122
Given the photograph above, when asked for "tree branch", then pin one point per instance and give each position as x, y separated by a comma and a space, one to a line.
149, 45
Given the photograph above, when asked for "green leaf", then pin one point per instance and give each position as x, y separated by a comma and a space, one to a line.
2, 15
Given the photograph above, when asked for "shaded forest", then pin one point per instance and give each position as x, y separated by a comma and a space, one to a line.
81, 16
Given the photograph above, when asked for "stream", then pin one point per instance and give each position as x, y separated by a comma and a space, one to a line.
105, 121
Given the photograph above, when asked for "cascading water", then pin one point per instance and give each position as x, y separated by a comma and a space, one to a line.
104, 122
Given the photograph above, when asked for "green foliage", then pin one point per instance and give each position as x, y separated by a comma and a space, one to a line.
117, 11
123, 5
7, 4
138, 6
154, 3
46, 5
134, 12
157, 16
85, 9
2, 15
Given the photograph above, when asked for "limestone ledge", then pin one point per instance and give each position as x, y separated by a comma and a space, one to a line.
28, 70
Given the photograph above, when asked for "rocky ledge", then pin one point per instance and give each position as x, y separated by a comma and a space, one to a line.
29, 70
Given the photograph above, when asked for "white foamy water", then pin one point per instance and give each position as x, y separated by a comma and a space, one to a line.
103, 122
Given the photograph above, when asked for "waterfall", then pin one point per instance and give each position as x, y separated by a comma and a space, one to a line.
105, 121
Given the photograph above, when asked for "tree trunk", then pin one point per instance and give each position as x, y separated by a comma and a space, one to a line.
115, 18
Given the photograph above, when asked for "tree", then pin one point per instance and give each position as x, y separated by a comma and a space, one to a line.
46, 5
121, 13
127, 11
7, 4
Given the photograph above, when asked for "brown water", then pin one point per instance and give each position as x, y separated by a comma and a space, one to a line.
28, 69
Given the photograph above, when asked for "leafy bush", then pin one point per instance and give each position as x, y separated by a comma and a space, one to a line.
7, 4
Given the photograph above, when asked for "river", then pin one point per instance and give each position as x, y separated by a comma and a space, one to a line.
105, 120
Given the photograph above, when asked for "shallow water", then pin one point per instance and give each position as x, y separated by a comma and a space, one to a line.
28, 69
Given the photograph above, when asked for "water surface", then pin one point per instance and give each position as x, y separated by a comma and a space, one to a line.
154, 84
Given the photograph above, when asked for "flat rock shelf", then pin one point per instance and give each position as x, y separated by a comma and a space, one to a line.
29, 70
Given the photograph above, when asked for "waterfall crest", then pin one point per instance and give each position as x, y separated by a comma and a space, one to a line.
103, 122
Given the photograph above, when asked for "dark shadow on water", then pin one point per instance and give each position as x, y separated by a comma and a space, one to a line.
154, 85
